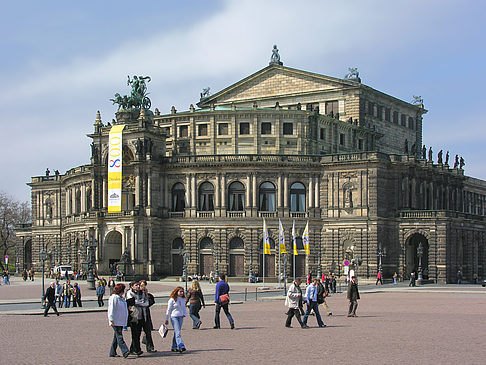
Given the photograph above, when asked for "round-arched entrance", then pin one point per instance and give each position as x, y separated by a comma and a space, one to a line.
113, 248
414, 258
236, 257
206, 258
177, 256
28, 255
269, 259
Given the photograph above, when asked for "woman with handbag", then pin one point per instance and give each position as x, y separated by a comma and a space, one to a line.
221, 299
117, 317
196, 299
138, 303
176, 311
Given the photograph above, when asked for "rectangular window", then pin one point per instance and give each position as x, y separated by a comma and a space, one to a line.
266, 128
202, 130
223, 129
341, 139
360, 144
371, 108
244, 128
411, 123
395, 117
323, 133
288, 128
379, 112
184, 131
332, 107
404, 120
387, 114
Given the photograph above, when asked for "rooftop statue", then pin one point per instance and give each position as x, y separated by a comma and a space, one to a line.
353, 74
205, 93
417, 100
138, 94
275, 59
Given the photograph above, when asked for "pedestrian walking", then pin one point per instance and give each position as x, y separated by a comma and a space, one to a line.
459, 277
50, 299
100, 292
378, 278
117, 318
312, 304
395, 278
221, 299
176, 311
59, 296
137, 315
322, 293
196, 300
67, 292
294, 296
412, 279
147, 324
6, 277
111, 285
24, 275
31, 274
77, 296
353, 296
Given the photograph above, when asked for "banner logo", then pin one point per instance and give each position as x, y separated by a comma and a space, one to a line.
115, 147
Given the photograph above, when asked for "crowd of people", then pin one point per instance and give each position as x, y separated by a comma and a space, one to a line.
131, 308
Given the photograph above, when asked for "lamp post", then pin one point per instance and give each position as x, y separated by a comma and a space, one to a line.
43, 257
420, 252
91, 245
250, 268
184, 265
381, 253
285, 273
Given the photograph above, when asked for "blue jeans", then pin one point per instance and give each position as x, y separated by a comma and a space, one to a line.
67, 301
118, 341
194, 313
177, 343
313, 306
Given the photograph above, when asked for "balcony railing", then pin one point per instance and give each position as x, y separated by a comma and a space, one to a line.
176, 214
236, 214
205, 214
298, 214
267, 214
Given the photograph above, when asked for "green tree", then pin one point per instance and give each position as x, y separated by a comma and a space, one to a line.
12, 214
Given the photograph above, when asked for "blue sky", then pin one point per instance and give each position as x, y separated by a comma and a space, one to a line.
62, 61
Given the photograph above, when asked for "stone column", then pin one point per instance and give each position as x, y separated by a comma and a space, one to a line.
217, 190
247, 192
188, 191
149, 187
254, 194
311, 192
223, 195
286, 193
279, 193
150, 261
317, 203
137, 189
166, 202
194, 192
105, 194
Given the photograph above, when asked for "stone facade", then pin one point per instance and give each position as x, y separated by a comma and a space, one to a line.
280, 144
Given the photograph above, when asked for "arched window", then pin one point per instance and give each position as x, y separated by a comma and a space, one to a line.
267, 197
299, 243
178, 244
88, 200
206, 243
206, 197
272, 243
236, 243
297, 197
178, 198
236, 196
77, 202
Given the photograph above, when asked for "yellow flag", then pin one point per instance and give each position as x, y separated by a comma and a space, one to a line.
305, 239
266, 239
281, 237
294, 236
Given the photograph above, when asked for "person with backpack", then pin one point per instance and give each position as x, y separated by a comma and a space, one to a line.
322, 293
312, 304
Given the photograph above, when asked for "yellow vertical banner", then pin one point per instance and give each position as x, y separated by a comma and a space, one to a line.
305, 239
281, 237
115, 153
266, 239
294, 237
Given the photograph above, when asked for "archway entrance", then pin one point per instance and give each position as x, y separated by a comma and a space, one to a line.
177, 257
412, 257
113, 248
28, 255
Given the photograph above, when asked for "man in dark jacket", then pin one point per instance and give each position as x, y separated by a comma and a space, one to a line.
222, 288
353, 296
50, 298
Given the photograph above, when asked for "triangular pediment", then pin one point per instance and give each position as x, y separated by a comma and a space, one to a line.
275, 81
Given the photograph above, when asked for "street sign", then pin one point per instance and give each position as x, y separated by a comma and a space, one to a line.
346, 262
346, 270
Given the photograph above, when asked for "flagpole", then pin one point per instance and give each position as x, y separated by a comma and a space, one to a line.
279, 266
263, 274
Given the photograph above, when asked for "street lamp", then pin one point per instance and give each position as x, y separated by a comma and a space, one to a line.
184, 265
420, 252
43, 257
91, 245
381, 253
